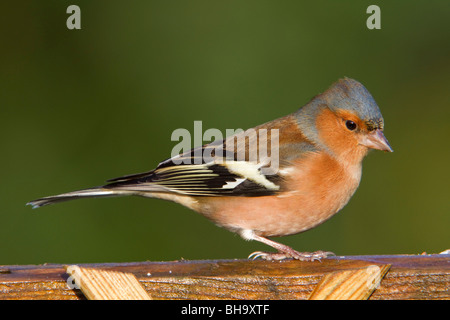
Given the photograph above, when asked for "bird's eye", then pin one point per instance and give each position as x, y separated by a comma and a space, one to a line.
350, 125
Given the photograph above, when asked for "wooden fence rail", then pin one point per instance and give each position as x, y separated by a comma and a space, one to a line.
352, 277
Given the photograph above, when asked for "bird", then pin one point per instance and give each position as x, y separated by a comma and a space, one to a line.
319, 152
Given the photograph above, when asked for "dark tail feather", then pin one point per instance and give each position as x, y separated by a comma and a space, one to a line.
86, 193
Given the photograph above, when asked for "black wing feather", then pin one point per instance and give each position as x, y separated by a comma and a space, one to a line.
204, 179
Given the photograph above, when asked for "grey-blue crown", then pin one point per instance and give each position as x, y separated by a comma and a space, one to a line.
349, 94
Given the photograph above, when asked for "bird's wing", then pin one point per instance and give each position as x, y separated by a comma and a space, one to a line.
197, 177
236, 166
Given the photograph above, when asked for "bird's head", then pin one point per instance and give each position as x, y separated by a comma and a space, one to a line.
347, 120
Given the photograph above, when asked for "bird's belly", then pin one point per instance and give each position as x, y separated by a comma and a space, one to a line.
291, 212
272, 216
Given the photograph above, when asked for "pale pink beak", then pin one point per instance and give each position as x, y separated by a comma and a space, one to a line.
376, 140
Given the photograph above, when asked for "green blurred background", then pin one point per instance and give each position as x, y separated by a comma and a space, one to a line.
78, 107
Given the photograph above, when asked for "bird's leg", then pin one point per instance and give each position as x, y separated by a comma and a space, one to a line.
285, 252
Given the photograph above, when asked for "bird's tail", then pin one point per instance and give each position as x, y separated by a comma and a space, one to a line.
86, 193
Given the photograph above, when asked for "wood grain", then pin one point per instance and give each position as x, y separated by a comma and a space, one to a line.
409, 277
98, 284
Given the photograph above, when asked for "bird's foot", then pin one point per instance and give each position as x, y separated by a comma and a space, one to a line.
291, 254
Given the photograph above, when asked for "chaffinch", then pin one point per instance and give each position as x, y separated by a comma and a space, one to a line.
319, 152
